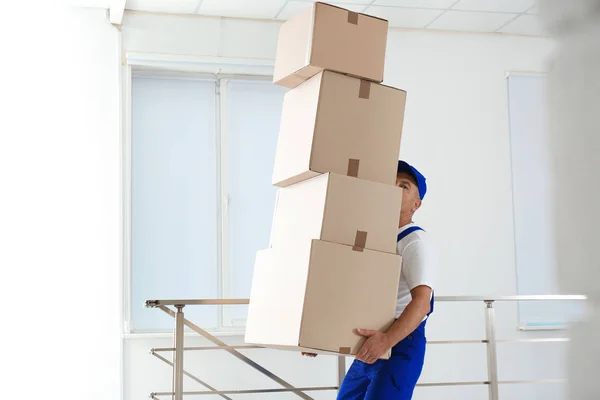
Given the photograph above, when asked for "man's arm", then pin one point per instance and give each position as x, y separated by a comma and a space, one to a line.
412, 316
418, 264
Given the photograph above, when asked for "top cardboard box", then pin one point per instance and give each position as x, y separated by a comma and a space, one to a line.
326, 37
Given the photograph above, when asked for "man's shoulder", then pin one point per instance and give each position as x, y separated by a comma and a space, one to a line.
418, 238
411, 233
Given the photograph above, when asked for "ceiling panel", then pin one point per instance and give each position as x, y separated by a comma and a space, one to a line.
525, 25
440, 4
471, 21
465, 15
165, 6
241, 8
350, 6
534, 10
511, 6
364, 3
405, 17
295, 7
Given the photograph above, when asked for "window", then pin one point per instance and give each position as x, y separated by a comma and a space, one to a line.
532, 204
202, 153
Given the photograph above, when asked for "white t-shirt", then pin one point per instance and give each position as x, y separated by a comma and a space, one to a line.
419, 262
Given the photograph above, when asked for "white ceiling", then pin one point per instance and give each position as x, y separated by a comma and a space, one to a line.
501, 16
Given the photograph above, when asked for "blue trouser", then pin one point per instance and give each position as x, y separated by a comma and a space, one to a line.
392, 379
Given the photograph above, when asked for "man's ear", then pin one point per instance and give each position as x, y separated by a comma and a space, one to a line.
416, 205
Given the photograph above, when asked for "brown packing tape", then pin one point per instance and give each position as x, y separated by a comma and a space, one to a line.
353, 167
344, 350
365, 89
353, 18
360, 241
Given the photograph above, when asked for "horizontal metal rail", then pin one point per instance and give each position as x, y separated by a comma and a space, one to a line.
490, 341
534, 340
157, 303
247, 391
200, 348
466, 383
478, 383
518, 382
558, 297
429, 342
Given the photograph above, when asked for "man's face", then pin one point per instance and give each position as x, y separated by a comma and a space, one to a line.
410, 193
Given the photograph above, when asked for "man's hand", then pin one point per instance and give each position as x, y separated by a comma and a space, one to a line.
309, 354
376, 345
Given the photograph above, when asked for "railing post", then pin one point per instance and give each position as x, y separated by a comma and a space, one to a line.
178, 355
490, 330
341, 370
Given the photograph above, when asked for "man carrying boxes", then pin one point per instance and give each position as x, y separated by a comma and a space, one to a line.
369, 377
337, 260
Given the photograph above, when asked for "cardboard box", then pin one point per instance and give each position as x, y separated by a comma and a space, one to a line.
311, 296
339, 209
333, 38
336, 123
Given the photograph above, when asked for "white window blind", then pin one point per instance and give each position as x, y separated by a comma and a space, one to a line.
173, 199
253, 111
196, 185
533, 186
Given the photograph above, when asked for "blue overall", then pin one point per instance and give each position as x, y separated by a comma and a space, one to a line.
392, 379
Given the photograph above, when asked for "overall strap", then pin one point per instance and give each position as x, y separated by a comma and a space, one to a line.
431, 303
408, 231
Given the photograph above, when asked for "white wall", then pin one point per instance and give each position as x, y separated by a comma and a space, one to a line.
456, 132
59, 213
574, 101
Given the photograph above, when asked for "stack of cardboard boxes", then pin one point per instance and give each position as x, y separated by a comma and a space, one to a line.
332, 265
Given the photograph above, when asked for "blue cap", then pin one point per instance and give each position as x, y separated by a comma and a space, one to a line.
403, 166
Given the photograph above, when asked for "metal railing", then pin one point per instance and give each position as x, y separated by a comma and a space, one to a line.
179, 372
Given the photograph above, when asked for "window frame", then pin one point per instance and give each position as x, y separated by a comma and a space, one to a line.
221, 70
